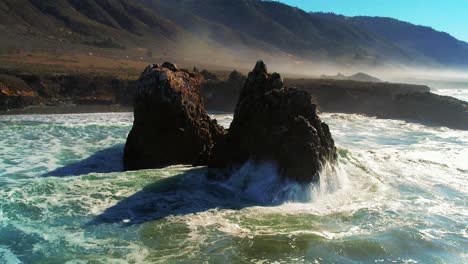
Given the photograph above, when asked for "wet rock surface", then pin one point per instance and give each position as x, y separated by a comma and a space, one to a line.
277, 124
171, 125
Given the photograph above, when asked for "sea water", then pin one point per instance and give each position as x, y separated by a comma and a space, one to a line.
457, 89
459, 93
398, 195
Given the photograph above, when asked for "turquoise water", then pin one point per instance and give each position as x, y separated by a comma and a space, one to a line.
398, 195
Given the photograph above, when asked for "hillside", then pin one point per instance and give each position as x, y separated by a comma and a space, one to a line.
217, 32
418, 40
104, 23
277, 25
358, 77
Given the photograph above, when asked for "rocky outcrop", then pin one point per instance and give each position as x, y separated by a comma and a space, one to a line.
272, 123
221, 95
15, 93
82, 89
19, 90
414, 103
171, 125
209, 75
432, 109
387, 100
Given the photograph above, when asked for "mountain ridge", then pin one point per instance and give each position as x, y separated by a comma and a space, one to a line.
222, 28
427, 41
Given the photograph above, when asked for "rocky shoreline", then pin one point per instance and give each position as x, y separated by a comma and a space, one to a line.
68, 109
70, 93
414, 103
20, 90
393, 101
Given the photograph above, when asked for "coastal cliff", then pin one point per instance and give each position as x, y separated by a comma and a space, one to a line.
414, 103
386, 100
16, 93
19, 90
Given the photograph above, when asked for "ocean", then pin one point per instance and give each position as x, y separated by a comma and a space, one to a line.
454, 88
397, 195
459, 93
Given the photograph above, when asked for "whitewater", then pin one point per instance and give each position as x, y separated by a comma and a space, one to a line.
397, 195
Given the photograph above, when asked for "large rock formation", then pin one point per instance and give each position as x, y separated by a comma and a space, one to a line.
272, 123
19, 90
15, 93
221, 95
171, 125
409, 102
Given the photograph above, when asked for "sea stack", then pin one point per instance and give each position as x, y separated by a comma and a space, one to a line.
170, 125
276, 124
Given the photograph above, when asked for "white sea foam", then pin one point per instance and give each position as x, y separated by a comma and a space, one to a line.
7, 257
461, 94
397, 193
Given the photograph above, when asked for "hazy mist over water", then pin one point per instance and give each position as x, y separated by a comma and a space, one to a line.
441, 81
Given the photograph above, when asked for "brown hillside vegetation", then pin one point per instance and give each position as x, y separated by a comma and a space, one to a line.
217, 32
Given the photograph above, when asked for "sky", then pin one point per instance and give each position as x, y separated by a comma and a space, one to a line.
450, 16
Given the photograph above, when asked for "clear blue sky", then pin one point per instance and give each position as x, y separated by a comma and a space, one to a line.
450, 16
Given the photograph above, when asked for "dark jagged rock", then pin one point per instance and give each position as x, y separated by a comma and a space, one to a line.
272, 123
414, 103
209, 75
236, 76
170, 66
221, 95
15, 93
19, 90
387, 100
433, 109
171, 125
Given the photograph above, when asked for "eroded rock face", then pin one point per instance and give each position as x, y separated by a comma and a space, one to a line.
221, 95
272, 123
15, 93
171, 125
